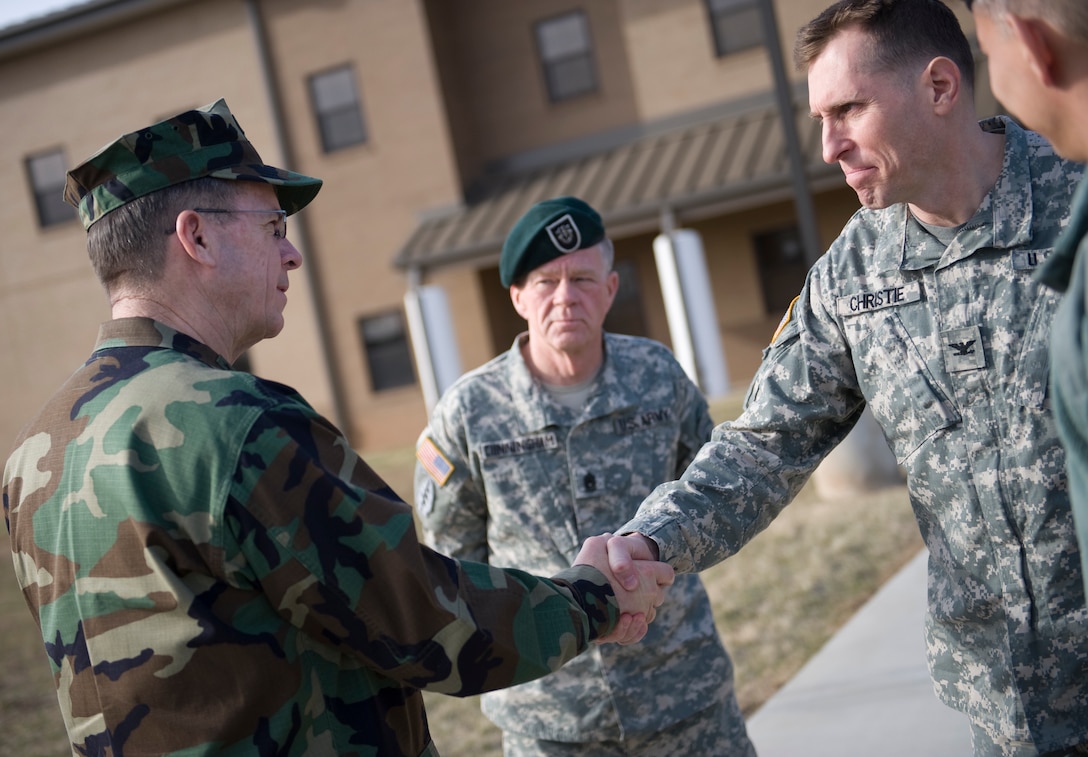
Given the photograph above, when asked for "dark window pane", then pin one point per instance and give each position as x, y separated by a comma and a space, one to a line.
736, 25
47, 177
342, 128
626, 315
566, 53
339, 112
388, 354
782, 267
571, 77
563, 36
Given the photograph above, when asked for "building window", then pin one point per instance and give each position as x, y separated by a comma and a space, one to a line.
388, 354
566, 52
339, 112
736, 25
47, 176
626, 315
782, 266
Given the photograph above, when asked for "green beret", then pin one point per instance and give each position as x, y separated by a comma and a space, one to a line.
197, 143
547, 230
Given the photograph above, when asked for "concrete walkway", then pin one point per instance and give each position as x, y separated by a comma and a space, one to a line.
868, 691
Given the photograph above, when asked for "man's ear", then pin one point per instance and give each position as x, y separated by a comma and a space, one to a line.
515, 299
612, 285
1038, 43
192, 231
942, 82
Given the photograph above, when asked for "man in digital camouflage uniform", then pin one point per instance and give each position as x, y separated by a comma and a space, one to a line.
213, 569
1038, 58
560, 437
925, 309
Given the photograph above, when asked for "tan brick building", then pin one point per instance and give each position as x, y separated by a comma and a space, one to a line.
434, 124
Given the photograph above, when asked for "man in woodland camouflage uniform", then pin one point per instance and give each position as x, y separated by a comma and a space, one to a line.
925, 309
213, 569
560, 437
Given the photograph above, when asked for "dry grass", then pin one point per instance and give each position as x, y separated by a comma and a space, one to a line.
775, 603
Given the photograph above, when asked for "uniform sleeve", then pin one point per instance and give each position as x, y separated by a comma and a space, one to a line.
802, 402
450, 498
335, 552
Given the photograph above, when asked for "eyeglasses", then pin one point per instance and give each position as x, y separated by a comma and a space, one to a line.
279, 231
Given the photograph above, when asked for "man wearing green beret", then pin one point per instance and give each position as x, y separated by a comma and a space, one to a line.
560, 437
213, 569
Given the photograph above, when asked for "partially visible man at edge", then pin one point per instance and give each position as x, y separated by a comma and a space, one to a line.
1038, 59
213, 569
925, 309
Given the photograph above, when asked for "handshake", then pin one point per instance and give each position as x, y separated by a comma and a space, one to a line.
630, 563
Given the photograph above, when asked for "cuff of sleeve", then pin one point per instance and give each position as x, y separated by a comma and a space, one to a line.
594, 594
665, 533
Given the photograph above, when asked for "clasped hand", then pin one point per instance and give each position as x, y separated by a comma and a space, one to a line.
639, 595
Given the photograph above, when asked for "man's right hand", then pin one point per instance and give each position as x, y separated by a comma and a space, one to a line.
626, 553
639, 598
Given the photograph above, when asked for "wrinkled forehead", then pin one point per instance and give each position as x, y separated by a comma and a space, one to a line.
847, 74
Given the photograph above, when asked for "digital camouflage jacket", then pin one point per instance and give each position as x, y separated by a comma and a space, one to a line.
948, 346
214, 570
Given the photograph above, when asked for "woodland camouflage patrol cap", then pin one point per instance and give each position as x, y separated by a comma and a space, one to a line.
197, 143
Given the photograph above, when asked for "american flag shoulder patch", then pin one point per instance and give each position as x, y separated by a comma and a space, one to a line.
433, 461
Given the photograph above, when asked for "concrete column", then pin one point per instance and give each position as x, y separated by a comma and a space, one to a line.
430, 325
862, 462
689, 309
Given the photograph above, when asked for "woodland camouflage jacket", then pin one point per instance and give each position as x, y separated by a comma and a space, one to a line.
214, 570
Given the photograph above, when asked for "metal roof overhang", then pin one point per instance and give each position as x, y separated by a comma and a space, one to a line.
80, 17
724, 160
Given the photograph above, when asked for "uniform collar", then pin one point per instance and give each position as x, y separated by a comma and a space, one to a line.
146, 332
542, 411
1003, 219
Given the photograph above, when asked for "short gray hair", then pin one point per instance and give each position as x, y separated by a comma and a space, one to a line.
1069, 16
608, 253
127, 246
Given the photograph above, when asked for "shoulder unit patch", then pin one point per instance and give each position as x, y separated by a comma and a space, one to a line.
786, 318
